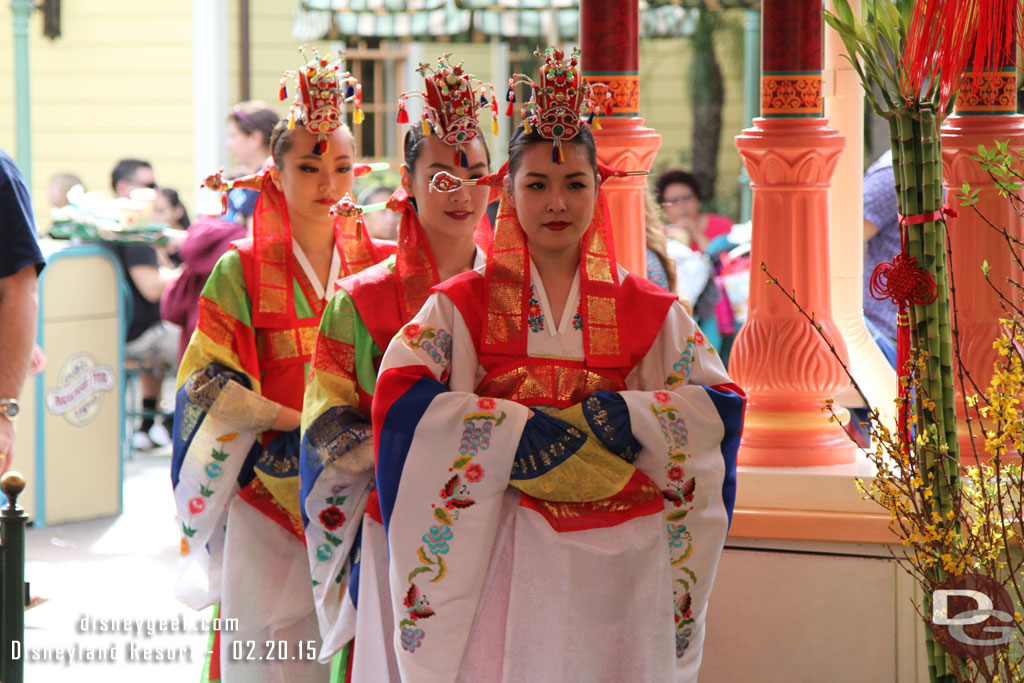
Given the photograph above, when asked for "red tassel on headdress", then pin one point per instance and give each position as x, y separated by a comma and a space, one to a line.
320, 147
403, 115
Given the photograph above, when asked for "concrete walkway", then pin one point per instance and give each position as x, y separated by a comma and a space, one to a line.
107, 585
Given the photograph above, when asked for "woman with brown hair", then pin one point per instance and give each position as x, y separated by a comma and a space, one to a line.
555, 442
240, 385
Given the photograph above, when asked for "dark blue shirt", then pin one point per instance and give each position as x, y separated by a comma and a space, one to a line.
18, 246
241, 205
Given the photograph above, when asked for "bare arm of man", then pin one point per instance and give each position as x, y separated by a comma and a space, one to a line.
151, 281
19, 305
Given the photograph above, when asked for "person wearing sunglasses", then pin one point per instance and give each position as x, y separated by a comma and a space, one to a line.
150, 341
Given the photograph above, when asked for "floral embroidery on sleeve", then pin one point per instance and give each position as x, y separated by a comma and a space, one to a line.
436, 343
678, 491
197, 505
682, 367
454, 497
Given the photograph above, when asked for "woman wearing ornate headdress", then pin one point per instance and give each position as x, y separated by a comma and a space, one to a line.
437, 239
240, 384
557, 477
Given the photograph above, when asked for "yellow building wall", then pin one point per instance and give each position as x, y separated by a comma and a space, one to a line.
117, 83
665, 105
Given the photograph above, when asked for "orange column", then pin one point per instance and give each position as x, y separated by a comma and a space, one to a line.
609, 39
790, 154
983, 116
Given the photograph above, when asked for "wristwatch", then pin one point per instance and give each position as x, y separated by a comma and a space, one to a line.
9, 408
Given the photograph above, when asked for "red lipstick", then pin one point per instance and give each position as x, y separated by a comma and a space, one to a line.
557, 225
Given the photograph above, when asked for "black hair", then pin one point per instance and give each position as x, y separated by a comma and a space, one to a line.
412, 148
521, 139
676, 177
126, 169
175, 201
255, 116
281, 140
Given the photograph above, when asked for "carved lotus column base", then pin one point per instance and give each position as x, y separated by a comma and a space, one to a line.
779, 358
626, 144
794, 438
972, 243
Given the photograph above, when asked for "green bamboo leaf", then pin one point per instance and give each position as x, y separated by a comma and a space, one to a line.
335, 541
844, 12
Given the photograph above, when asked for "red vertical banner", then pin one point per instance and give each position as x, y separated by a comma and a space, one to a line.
791, 58
610, 47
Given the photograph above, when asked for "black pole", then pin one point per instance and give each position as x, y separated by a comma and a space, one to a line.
12, 580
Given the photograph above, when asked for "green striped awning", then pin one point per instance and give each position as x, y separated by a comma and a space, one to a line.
423, 19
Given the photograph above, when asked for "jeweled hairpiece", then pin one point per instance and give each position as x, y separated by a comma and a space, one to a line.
452, 99
322, 89
559, 101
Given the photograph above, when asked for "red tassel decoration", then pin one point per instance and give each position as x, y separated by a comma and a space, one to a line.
283, 94
905, 283
943, 36
403, 115
902, 357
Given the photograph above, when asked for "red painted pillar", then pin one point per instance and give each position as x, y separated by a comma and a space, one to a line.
790, 154
983, 116
610, 47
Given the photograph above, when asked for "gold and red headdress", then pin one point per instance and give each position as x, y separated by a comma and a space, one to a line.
322, 89
452, 100
560, 100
